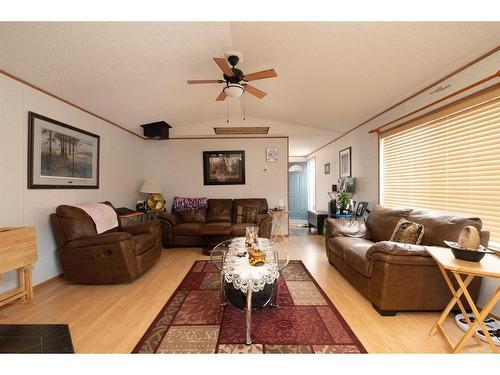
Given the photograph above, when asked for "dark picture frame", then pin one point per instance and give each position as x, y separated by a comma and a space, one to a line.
327, 168
361, 208
345, 163
61, 156
224, 167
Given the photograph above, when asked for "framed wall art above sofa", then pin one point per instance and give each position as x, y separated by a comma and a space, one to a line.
224, 167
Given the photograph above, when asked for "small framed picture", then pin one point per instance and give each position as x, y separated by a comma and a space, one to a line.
327, 168
345, 162
342, 185
361, 208
271, 154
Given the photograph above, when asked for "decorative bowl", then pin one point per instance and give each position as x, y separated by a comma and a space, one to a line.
468, 255
256, 257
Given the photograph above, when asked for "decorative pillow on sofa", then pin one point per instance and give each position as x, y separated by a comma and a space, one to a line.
407, 232
182, 204
246, 214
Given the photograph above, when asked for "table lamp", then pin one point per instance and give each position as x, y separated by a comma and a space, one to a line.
154, 201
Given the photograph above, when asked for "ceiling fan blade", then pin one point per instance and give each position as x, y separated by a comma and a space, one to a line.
254, 91
221, 96
197, 81
224, 66
269, 73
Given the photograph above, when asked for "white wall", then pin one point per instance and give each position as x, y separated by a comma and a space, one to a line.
121, 169
297, 159
365, 146
178, 166
364, 167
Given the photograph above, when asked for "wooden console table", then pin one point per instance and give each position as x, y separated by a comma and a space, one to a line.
18, 251
489, 266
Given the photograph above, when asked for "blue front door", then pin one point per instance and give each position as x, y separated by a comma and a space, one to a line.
297, 190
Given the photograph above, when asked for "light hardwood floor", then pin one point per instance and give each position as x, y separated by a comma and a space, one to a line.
112, 318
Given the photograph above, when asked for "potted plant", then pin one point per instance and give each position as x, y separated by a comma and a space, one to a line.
344, 200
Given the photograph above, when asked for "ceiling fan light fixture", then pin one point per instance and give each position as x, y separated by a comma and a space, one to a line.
234, 90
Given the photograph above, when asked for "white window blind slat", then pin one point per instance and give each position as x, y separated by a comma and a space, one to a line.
449, 162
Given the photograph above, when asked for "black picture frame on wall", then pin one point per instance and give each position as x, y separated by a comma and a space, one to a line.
327, 168
224, 167
345, 163
61, 156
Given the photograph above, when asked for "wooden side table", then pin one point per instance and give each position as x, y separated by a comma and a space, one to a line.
489, 266
278, 217
18, 251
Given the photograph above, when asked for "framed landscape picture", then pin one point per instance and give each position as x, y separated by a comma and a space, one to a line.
345, 162
61, 156
224, 167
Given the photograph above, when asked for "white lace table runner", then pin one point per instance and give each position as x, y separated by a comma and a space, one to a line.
238, 271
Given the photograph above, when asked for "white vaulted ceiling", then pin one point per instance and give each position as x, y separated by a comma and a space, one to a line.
331, 76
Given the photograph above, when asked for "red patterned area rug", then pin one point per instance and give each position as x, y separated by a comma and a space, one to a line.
305, 321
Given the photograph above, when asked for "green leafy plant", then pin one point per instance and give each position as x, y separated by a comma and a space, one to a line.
344, 200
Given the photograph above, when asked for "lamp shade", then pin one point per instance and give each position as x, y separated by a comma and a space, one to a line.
150, 186
233, 90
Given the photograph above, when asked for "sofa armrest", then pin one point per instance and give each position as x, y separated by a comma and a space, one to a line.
265, 223
261, 218
167, 224
399, 253
346, 228
396, 248
484, 235
170, 218
100, 239
141, 228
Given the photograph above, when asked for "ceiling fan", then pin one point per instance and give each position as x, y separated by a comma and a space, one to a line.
233, 78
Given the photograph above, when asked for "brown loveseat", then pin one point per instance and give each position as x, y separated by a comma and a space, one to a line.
118, 255
396, 277
220, 220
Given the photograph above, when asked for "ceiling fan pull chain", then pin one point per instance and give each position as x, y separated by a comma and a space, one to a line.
227, 111
244, 106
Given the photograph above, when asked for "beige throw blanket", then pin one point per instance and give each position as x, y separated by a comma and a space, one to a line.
103, 215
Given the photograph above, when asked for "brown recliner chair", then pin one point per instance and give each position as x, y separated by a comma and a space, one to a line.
118, 255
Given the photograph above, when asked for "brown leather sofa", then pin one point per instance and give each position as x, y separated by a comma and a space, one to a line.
394, 276
217, 222
118, 255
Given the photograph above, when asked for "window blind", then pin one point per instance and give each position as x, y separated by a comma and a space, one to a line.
447, 161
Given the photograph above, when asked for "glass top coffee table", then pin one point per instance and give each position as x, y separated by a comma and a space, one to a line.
245, 286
